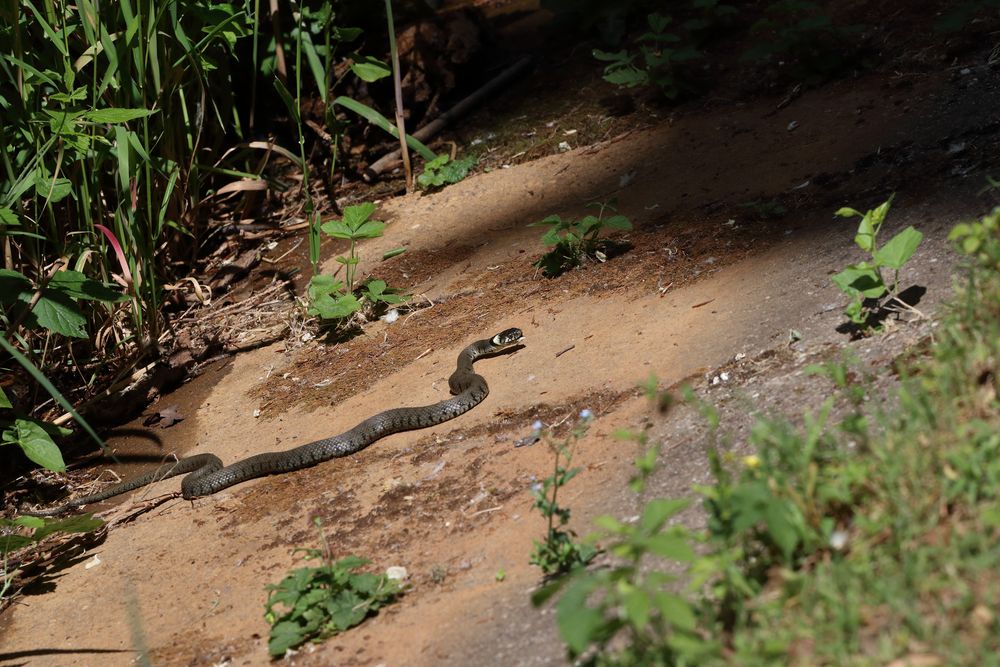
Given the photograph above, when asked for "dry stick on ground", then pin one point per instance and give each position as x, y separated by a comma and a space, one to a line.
428, 131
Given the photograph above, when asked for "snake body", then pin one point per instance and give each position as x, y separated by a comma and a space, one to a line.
207, 475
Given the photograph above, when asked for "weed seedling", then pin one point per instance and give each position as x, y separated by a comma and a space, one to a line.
863, 282
559, 553
319, 602
333, 299
573, 241
442, 171
655, 63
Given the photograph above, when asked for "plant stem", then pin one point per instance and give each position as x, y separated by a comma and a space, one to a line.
400, 125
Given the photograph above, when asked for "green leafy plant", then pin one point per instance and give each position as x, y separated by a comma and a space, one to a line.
575, 240
803, 33
12, 538
864, 282
314, 603
658, 55
559, 552
630, 603
442, 171
333, 299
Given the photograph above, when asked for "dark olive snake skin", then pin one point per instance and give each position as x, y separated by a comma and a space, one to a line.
207, 474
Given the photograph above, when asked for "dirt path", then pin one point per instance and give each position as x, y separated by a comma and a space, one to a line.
703, 282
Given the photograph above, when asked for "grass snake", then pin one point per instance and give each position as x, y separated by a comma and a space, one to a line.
207, 475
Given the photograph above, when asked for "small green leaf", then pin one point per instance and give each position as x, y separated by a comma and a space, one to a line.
4, 401
369, 69
389, 254
8, 217
36, 444
606, 56
116, 115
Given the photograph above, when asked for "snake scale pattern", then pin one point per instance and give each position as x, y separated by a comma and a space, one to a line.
207, 475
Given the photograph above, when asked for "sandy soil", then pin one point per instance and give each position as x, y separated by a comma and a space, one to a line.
705, 279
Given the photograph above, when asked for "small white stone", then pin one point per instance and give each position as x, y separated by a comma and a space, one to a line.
397, 573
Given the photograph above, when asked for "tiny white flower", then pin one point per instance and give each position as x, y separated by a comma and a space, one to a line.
838, 540
536, 487
586, 414
537, 425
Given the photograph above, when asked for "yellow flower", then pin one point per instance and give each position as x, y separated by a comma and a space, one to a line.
752, 461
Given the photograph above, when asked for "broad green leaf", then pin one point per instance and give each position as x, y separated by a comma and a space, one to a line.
637, 607
781, 528
657, 511
323, 284
358, 214
369, 230
334, 308
116, 115
577, 622
629, 77
375, 287
58, 313
53, 190
860, 279
78, 286
370, 69
674, 547
899, 248
675, 610
36, 444
618, 222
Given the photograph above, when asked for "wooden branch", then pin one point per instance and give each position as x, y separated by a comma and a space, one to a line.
431, 129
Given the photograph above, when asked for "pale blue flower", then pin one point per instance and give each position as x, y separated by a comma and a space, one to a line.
586, 414
537, 426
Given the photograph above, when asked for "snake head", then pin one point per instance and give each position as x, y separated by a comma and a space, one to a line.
507, 338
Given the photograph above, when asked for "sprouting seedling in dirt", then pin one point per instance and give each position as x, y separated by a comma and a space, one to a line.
864, 281
575, 240
442, 171
559, 552
333, 299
